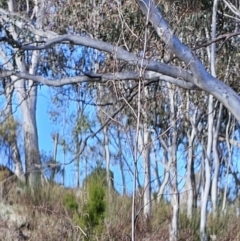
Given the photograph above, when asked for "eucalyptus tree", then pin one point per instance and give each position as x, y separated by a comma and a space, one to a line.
132, 59
26, 91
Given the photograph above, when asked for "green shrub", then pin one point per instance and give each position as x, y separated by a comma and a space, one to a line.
92, 213
95, 207
70, 202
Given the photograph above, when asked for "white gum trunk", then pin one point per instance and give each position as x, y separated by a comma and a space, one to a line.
27, 96
173, 231
190, 182
206, 187
208, 168
216, 163
147, 178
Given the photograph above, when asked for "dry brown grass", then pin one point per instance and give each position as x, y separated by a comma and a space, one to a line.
44, 216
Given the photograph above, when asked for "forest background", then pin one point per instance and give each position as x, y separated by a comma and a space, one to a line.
141, 94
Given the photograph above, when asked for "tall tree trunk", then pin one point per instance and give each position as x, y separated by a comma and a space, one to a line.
107, 157
121, 162
156, 167
103, 119
190, 182
77, 162
54, 161
173, 170
145, 140
229, 159
27, 96
205, 195
216, 162
32, 155
207, 182
166, 165
145, 149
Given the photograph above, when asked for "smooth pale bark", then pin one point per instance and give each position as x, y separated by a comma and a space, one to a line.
77, 162
145, 149
107, 157
32, 156
210, 140
207, 181
198, 76
190, 180
201, 77
216, 162
145, 137
233, 7
54, 161
156, 166
12, 6
102, 117
229, 159
135, 158
166, 165
147, 175
101, 78
173, 230
27, 96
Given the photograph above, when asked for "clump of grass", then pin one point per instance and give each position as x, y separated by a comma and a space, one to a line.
189, 227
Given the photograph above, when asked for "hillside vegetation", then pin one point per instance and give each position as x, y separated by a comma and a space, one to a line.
89, 213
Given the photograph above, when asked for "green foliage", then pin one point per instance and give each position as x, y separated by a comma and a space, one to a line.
91, 214
219, 224
162, 212
189, 228
98, 175
8, 129
104, 21
82, 125
94, 209
70, 202
3, 4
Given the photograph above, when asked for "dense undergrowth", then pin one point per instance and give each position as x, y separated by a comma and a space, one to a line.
95, 213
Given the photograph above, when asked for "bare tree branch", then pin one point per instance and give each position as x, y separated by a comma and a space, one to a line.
221, 37
201, 77
128, 75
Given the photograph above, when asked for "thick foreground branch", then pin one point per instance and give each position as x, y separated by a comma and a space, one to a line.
100, 78
201, 78
197, 76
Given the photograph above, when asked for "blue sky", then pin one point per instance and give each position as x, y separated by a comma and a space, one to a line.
46, 144
83, 60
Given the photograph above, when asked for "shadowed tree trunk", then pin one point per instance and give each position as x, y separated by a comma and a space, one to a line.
190, 182
27, 96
